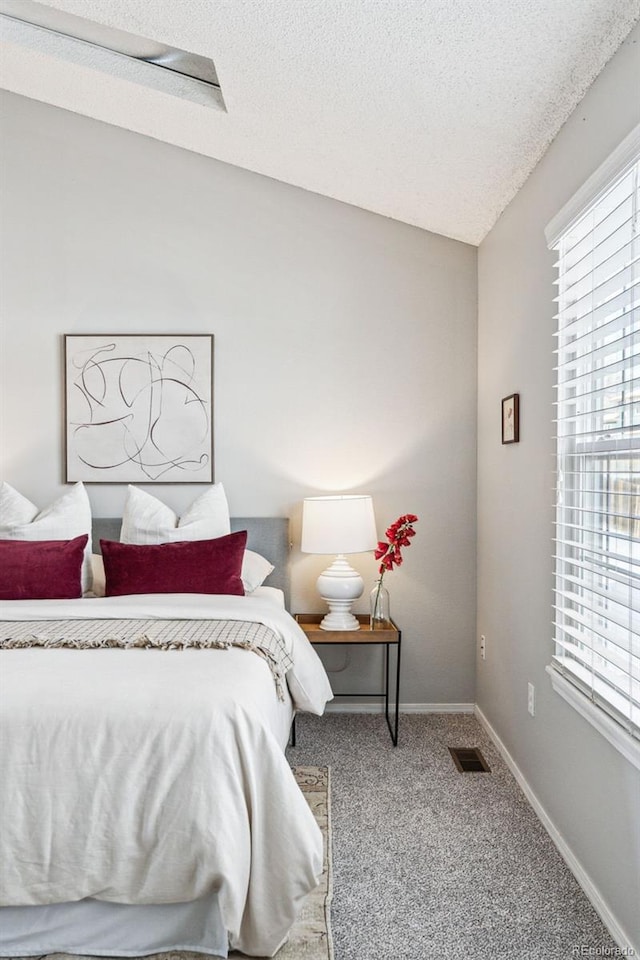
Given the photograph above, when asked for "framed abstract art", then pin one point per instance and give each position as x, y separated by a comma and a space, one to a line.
139, 408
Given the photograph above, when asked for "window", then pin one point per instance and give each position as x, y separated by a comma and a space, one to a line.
597, 523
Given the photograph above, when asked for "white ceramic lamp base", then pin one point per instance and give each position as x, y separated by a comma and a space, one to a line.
339, 586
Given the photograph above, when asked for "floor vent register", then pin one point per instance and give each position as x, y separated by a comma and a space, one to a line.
469, 760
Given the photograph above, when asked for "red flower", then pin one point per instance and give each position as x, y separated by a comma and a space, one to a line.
398, 535
389, 553
381, 549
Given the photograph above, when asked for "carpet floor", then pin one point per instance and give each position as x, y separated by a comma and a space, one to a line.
432, 863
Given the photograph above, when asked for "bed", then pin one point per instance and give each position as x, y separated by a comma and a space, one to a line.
152, 807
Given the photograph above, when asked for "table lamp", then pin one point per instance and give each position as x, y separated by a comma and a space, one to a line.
339, 525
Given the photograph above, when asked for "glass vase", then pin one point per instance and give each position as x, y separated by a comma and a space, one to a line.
379, 606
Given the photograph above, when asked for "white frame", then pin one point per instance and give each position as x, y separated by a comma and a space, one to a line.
139, 408
564, 681
623, 741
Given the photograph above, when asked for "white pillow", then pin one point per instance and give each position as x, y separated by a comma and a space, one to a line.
67, 517
99, 580
255, 570
146, 520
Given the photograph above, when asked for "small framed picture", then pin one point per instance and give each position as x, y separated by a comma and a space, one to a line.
511, 419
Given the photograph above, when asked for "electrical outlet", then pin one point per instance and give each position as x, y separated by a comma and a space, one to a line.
483, 647
531, 699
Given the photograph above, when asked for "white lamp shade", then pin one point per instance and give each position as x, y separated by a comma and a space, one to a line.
338, 525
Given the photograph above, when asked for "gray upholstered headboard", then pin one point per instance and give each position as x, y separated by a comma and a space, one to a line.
268, 536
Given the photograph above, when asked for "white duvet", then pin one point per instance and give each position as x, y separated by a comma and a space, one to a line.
148, 776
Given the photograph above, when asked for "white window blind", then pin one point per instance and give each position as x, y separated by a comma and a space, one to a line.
597, 524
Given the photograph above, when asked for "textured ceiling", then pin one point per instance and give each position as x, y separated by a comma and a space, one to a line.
432, 112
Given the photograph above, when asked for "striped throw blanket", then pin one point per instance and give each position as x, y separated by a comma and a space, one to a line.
152, 635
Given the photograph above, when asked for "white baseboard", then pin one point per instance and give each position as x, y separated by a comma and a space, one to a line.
591, 891
354, 706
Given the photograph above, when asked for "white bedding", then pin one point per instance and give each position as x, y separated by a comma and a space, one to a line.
272, 593
147, 776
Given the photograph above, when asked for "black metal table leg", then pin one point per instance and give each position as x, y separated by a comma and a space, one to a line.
292, 741
393, 730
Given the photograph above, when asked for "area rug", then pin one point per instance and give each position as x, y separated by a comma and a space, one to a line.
310, 938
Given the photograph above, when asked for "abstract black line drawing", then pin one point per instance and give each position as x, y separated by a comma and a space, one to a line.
139, 408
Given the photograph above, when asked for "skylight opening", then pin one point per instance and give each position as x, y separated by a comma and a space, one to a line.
138, 59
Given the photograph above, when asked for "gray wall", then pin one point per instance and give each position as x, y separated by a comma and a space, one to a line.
590, 792
345, 351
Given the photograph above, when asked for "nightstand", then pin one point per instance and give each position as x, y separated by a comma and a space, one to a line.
387, 636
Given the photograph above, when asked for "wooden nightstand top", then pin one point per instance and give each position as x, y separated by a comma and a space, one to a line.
310, 623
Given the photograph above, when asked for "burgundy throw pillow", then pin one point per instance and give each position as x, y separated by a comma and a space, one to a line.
186, 566
41, 569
